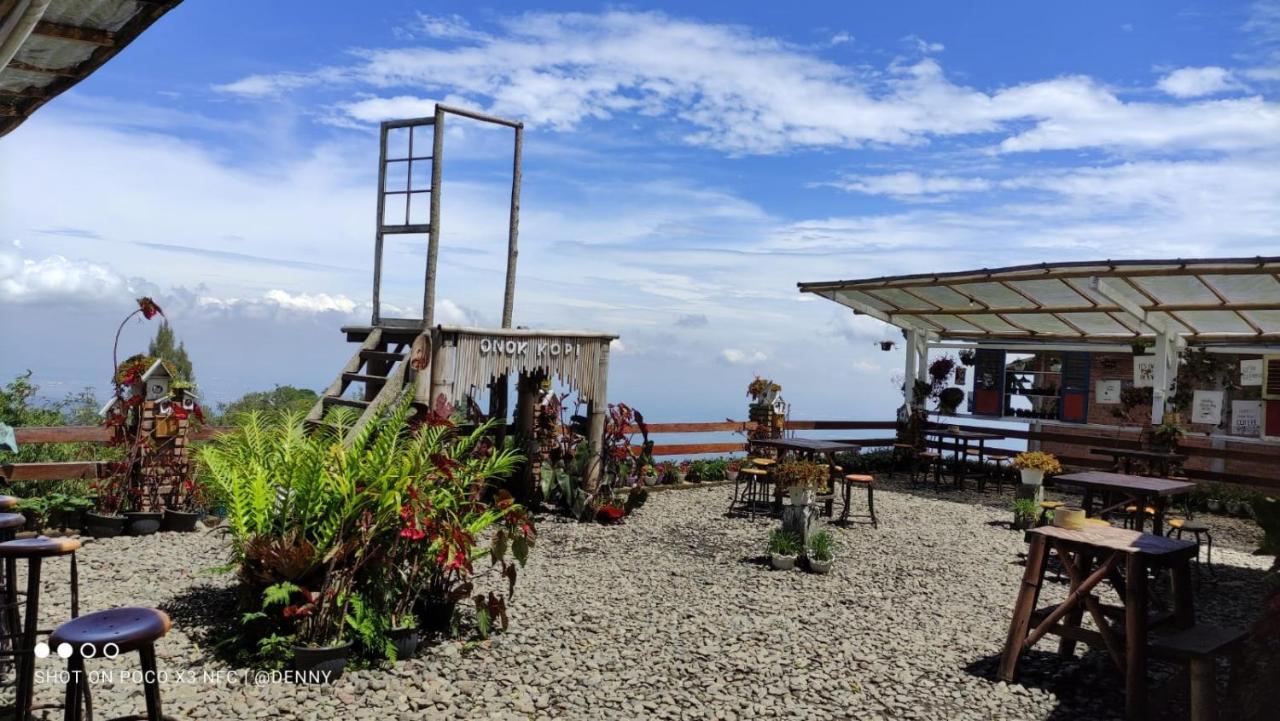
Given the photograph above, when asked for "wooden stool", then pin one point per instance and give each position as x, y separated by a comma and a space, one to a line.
902, 452
1178, 525
10, 623
867, 482
34, 551
1000, 465
1131, 517
754, 477
8, 503
1047, 507
128, 629
926, 461
1199, 647
762, 461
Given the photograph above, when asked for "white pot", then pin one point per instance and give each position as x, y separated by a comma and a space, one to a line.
801, 496
782, 563
731, 475
1032, 476
651, 480
820, 567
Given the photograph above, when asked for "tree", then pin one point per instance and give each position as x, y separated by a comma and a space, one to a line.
162, 346
280, 398
21, 406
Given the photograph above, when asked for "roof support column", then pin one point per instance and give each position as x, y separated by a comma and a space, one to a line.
917, 364
1166, 374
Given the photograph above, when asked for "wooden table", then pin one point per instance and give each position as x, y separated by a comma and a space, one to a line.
808, 449
1131, 490
1090, 555
960, 447
1123, 458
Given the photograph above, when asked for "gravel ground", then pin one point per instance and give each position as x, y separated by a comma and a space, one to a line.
674, 614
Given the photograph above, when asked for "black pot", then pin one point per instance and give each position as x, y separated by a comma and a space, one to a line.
321, 664
406, 642
144, 523
102, 526
66, 519
180, 521
33, 521
435, 615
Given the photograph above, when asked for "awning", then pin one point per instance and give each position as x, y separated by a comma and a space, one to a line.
1204, 301
47, 46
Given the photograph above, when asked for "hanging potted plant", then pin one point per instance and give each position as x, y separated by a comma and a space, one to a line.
887, 345
821, 552
967, 356
1034, 465
784, 547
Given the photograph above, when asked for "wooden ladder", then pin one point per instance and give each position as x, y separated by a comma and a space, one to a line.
382, 366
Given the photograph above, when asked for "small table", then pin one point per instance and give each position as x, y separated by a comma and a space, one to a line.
1140, 491
1090, 555
1123, 458
960, 447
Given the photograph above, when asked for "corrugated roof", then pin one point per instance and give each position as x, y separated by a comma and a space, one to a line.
59, 43
1233, 300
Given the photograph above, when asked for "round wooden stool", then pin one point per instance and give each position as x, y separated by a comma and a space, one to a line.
34, 551
107, 634
1198, 528
9, 620
754, 479
867, 482
922, 463
8, 503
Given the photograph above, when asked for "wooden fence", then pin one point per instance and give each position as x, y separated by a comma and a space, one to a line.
1072, 447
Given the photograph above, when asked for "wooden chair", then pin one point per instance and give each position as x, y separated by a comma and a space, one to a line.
924, 463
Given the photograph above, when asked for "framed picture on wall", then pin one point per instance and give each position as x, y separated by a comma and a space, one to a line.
1108, 392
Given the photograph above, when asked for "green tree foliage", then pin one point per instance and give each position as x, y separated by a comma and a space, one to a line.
22, 407
280, 398
163, 346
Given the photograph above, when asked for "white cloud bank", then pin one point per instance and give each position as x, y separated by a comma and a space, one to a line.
1197, 82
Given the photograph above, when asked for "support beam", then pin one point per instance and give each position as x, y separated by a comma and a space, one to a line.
916, 364
90, 36
29, 68
1166, 374
894, 320
1108, 289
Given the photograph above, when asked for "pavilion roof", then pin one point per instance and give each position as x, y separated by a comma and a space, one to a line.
1204, 301
47, 46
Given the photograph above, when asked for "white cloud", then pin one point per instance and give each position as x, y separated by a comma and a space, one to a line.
311, 302
746, 93
841, 38
734, 356
1197, 82
448, 27
908, 185
55, 278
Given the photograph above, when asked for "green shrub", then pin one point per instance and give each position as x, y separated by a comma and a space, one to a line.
784, 543
821, 546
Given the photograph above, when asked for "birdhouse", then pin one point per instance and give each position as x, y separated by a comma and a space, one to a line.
156, 381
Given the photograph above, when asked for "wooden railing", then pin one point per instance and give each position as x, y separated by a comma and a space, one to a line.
1076, 455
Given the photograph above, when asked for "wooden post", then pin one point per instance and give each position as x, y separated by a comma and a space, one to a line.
433, 233
438, 360
1204, 689
595, 426
912, 370
513, 229
527, 386
1135, 637
377, 243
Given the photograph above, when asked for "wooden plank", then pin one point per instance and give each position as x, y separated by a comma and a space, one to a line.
694, 449
841, 425
713, 427
92, 36
60, 471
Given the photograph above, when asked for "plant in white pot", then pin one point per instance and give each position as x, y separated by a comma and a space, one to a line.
784, 547
801, 479
731, 470
821, 552
1035, 465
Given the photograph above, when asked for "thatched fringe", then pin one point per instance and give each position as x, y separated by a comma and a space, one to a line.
484, 356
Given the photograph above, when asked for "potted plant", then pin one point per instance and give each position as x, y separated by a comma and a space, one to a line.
1213, 500
682, 471
1235, 503
967, 356
36, 511
821, 552
67, 509
1024, 513
762, 391
887, 345
949, 400
731, 470
1166, 434
784, 547
1034, 465
105, 519
320, 653
180, 510
648, 475
801, 479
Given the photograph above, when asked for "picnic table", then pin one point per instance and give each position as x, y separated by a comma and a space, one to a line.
959, 445
1140, 491
1091, 555
1158, 462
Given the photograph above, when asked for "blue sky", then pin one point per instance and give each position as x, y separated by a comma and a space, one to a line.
686, 165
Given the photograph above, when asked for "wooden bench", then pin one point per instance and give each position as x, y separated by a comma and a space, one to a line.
1199, 647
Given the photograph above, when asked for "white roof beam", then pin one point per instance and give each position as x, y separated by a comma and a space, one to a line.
1106, 288
880, 315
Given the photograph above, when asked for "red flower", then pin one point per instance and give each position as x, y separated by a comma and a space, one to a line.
149, 308
413, 534
610, 514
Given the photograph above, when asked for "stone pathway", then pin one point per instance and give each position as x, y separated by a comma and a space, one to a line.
673, 615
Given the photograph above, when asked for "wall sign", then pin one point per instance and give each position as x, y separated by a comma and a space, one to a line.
1108, 392
1246, 418
1144, 371
1206, 407
1251, 372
